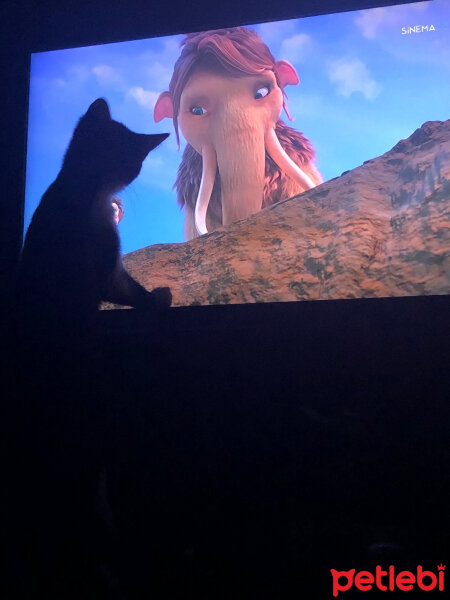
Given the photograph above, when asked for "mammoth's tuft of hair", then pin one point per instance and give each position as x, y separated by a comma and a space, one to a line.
236, 51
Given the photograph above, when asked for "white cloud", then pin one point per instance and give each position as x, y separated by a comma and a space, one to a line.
352, 76
369, 21
172, 45
296, 47
106, 75
79, 73
273, 34
160, 75
146, 98
157, 66
59, 82
375, 21
155, 166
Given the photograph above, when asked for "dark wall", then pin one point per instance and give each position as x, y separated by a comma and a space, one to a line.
247, 450
287, 442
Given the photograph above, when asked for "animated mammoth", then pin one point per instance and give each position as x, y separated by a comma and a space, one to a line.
226, 95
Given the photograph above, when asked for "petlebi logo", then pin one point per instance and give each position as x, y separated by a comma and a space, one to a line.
388, 580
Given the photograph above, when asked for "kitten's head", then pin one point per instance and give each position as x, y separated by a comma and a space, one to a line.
106, 152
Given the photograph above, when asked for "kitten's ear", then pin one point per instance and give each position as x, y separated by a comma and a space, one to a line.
99, 110
153, 140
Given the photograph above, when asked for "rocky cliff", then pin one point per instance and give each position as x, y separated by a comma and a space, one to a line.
382, 229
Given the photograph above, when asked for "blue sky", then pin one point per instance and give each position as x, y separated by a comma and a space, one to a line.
363, 86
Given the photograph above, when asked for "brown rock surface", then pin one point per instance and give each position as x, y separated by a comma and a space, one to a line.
382, 229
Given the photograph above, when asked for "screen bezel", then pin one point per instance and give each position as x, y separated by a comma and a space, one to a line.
165, 22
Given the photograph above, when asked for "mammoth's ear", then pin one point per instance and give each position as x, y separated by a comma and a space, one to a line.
163, 107
286, 73
99, 109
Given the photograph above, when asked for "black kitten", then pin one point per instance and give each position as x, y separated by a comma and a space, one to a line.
71, 257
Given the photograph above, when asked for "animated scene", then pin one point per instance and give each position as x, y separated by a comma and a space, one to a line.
307, 159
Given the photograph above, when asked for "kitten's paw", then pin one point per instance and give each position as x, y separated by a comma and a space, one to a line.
162, 297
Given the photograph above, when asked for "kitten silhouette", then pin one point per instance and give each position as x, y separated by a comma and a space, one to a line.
69, 265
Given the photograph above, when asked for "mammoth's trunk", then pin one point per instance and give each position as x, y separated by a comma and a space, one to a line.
241, 169
240, 156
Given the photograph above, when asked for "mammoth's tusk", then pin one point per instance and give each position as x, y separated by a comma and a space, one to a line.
285, 162
206, 186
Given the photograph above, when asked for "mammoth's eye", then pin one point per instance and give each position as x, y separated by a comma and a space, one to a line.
262, 92
198, 110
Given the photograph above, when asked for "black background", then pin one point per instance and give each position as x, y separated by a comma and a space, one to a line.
247, 449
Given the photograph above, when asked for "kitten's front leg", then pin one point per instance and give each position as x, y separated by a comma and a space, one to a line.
161, 297
125, 290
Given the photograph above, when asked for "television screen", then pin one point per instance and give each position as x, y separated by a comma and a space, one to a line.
307, 158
